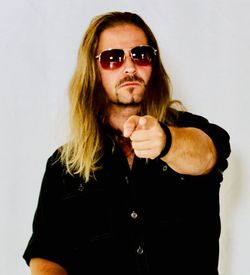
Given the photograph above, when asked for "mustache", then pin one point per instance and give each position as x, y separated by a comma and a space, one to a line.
130, 78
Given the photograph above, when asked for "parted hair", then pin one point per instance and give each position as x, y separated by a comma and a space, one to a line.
82, 153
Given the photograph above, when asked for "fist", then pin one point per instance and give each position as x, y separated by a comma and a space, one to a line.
147, 137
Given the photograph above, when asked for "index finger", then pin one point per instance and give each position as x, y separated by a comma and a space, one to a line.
130, 125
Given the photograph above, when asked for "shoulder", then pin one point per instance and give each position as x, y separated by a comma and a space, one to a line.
187, 119
54, 161
56, 180
55, 155
54, 169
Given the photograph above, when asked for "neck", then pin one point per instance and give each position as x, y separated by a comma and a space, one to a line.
119, 114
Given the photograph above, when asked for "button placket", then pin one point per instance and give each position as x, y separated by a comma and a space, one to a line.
134, 216
126, 180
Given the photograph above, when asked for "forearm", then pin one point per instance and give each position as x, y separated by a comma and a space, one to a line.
192, 151
39, 266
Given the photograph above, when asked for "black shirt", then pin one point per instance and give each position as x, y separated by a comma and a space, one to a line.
144, 220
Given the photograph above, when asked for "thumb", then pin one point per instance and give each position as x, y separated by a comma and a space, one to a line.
130, 125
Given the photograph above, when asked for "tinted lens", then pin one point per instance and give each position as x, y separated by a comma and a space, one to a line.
143, 55
112, 59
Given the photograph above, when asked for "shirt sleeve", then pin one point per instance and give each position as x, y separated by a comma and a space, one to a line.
219, 136
46, 241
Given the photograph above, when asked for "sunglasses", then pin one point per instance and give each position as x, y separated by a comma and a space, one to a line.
112, 59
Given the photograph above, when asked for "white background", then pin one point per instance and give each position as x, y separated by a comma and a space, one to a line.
205, 45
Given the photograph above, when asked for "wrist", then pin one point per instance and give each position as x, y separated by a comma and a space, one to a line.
168, 143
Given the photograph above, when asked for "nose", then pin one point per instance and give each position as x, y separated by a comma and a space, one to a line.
129, 65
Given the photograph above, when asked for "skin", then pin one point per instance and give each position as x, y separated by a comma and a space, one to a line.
192, 151
125, 86
39, 266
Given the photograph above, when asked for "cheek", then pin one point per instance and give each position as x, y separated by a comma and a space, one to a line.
107, 82
146, 74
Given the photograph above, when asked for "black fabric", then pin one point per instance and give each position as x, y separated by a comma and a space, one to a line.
144, 220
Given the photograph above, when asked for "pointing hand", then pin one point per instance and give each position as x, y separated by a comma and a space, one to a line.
146, 135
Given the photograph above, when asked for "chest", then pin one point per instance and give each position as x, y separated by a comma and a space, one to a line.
121, 194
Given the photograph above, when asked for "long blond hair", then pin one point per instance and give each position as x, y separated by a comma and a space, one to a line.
82, 154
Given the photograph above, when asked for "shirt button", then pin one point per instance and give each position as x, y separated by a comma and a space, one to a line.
134, 215
127, 180
182, 178
164, 168
139, 250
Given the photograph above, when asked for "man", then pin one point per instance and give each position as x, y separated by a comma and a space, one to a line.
136, 188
